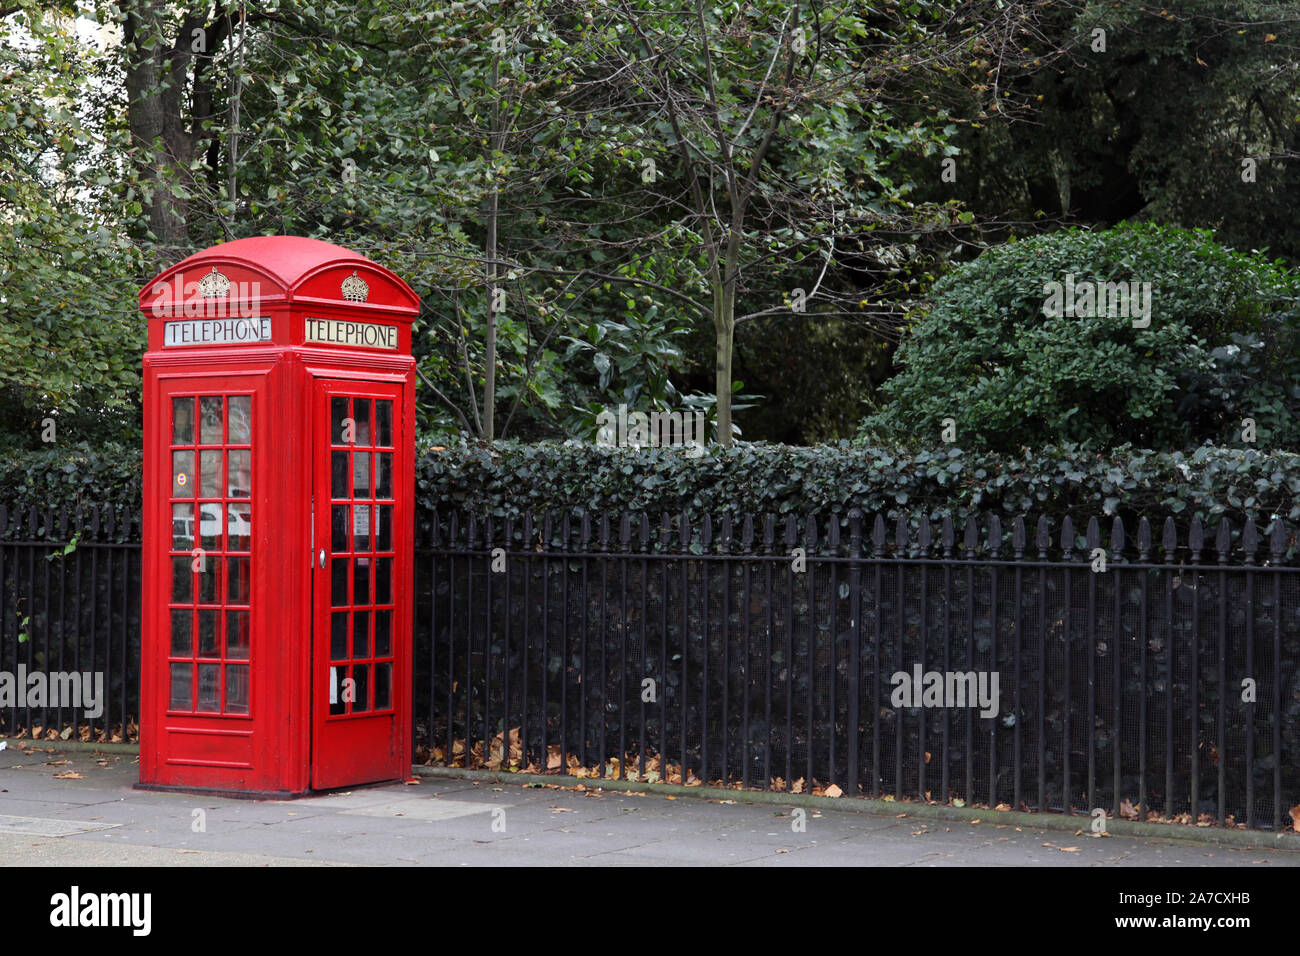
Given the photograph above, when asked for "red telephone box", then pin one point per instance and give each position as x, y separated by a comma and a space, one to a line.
279, 412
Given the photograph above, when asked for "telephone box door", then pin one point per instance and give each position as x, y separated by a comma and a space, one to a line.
360, 663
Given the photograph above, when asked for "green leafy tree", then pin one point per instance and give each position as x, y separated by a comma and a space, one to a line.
774, 130
985, 358
1181, 112
70, 333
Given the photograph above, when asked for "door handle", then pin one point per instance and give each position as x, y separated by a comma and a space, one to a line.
322, 558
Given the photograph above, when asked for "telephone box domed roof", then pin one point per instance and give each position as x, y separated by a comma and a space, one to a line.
285, 270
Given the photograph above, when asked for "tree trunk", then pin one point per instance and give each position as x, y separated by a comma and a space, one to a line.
490, 341
163, 147
724, 324
724, 320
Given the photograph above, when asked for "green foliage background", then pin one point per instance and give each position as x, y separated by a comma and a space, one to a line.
1154, 128
513, 479
1220, 347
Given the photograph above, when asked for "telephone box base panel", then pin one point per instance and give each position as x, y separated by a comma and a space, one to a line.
218, 792
261, 794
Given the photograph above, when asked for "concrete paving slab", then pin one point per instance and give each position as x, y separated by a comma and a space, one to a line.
67, 852
426, 809
450, 822
39, 826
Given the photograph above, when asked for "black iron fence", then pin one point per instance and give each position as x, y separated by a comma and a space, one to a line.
1144, 677
1137, 675
70, 603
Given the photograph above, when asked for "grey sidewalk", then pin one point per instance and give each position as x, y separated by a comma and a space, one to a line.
97, 819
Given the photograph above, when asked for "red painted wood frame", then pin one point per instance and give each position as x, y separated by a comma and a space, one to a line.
241, 621
205, 514
362, 559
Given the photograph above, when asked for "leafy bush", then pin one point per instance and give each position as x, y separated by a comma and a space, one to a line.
1256, 376
511, 480
72, 476
1219, 347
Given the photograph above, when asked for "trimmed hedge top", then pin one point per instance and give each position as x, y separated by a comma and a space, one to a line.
1209, 482
511, 479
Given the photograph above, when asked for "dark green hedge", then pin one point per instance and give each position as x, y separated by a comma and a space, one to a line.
511, 479
1210, 481
72, 476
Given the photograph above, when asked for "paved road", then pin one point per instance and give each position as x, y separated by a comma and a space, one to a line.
97, 819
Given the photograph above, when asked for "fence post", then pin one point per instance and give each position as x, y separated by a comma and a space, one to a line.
746, 683
900, 557
948, 538
971, 543
1249, 544
923, 552
1144, 557
1277, 547
1196, 542
1067, 555
1169, 542
1044, 542
1223, 545
1018, 538
995, 549
855, 649
1117, 542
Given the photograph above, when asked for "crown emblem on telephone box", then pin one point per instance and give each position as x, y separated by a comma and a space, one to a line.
214, 285
355, 288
